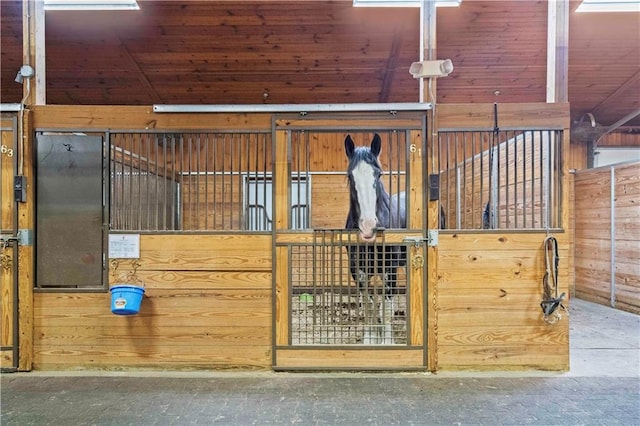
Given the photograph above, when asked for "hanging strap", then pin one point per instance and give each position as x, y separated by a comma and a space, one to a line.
550, 298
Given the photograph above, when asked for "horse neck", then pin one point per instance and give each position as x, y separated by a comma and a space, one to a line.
383, 206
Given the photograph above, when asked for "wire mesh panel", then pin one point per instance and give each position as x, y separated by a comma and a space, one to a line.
507, 179
346, 292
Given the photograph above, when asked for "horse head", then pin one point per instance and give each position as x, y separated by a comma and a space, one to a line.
369, 202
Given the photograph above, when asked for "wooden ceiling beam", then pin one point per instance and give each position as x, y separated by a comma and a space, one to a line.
622, 89
394, 54
153, 93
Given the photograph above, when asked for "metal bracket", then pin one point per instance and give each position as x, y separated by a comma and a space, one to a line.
432, 239
24, 237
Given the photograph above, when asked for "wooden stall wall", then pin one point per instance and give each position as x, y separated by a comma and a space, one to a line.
608, 247
489, 294
208, 297
207, 305
488, 284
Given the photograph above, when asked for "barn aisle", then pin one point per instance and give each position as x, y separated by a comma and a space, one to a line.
603, 341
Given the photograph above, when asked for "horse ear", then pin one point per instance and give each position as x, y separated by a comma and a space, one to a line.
376, 145
349, 146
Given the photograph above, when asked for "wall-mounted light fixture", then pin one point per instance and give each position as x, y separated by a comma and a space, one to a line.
25, 71
426, 69
403, 3
91, 5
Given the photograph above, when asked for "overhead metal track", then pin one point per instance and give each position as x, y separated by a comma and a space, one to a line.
299, 108
10, 107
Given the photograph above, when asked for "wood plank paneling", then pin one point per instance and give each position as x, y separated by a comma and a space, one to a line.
481, 116
595, 240
314, 358
207, 304
489, 294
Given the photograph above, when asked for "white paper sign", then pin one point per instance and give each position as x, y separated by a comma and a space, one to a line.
124, 246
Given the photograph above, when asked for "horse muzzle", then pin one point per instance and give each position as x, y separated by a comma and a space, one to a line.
368, 229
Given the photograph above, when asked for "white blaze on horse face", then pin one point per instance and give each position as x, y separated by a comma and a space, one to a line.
365, 183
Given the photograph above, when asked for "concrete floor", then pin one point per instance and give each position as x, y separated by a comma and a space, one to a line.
602, 388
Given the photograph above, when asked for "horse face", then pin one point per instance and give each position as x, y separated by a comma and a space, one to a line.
364, 174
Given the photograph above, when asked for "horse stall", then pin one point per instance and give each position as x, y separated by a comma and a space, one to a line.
245, 254
607, 255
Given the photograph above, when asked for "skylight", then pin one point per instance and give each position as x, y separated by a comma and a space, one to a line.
403, 3
609, 6
91, 5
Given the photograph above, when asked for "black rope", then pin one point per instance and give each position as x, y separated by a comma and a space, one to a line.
488, 220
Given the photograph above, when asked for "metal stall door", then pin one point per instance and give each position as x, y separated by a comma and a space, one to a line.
70, 199
9, 245
323, 319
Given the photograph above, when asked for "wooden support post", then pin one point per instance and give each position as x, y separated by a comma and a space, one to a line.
428, 40
557, 51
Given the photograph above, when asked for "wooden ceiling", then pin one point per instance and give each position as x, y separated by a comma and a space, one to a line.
281, 52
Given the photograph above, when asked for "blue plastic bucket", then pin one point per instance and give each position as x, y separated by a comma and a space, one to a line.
126, 299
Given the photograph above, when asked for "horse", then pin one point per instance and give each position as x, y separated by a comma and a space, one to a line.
372, 209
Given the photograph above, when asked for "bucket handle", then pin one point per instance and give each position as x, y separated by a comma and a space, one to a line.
130, 276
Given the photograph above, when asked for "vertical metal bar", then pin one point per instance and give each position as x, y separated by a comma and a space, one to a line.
448, 172
473, 180
514, 178
557, 212
458, 200
114, 210
542, 178
165, 182
527, 160
404, 152
206, 181
613, 236
244, 179
182, 178
294, 178
481, 151
307, 201
232, 177
548, 180
437, 167
464, 181
216, 162
137, 208
457, 178
265, 197
256, 180
197, 187
147, 179
156, 181
533, 179
401, 141
223, 171
130, 184
498, 175
507, 218
152, 182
